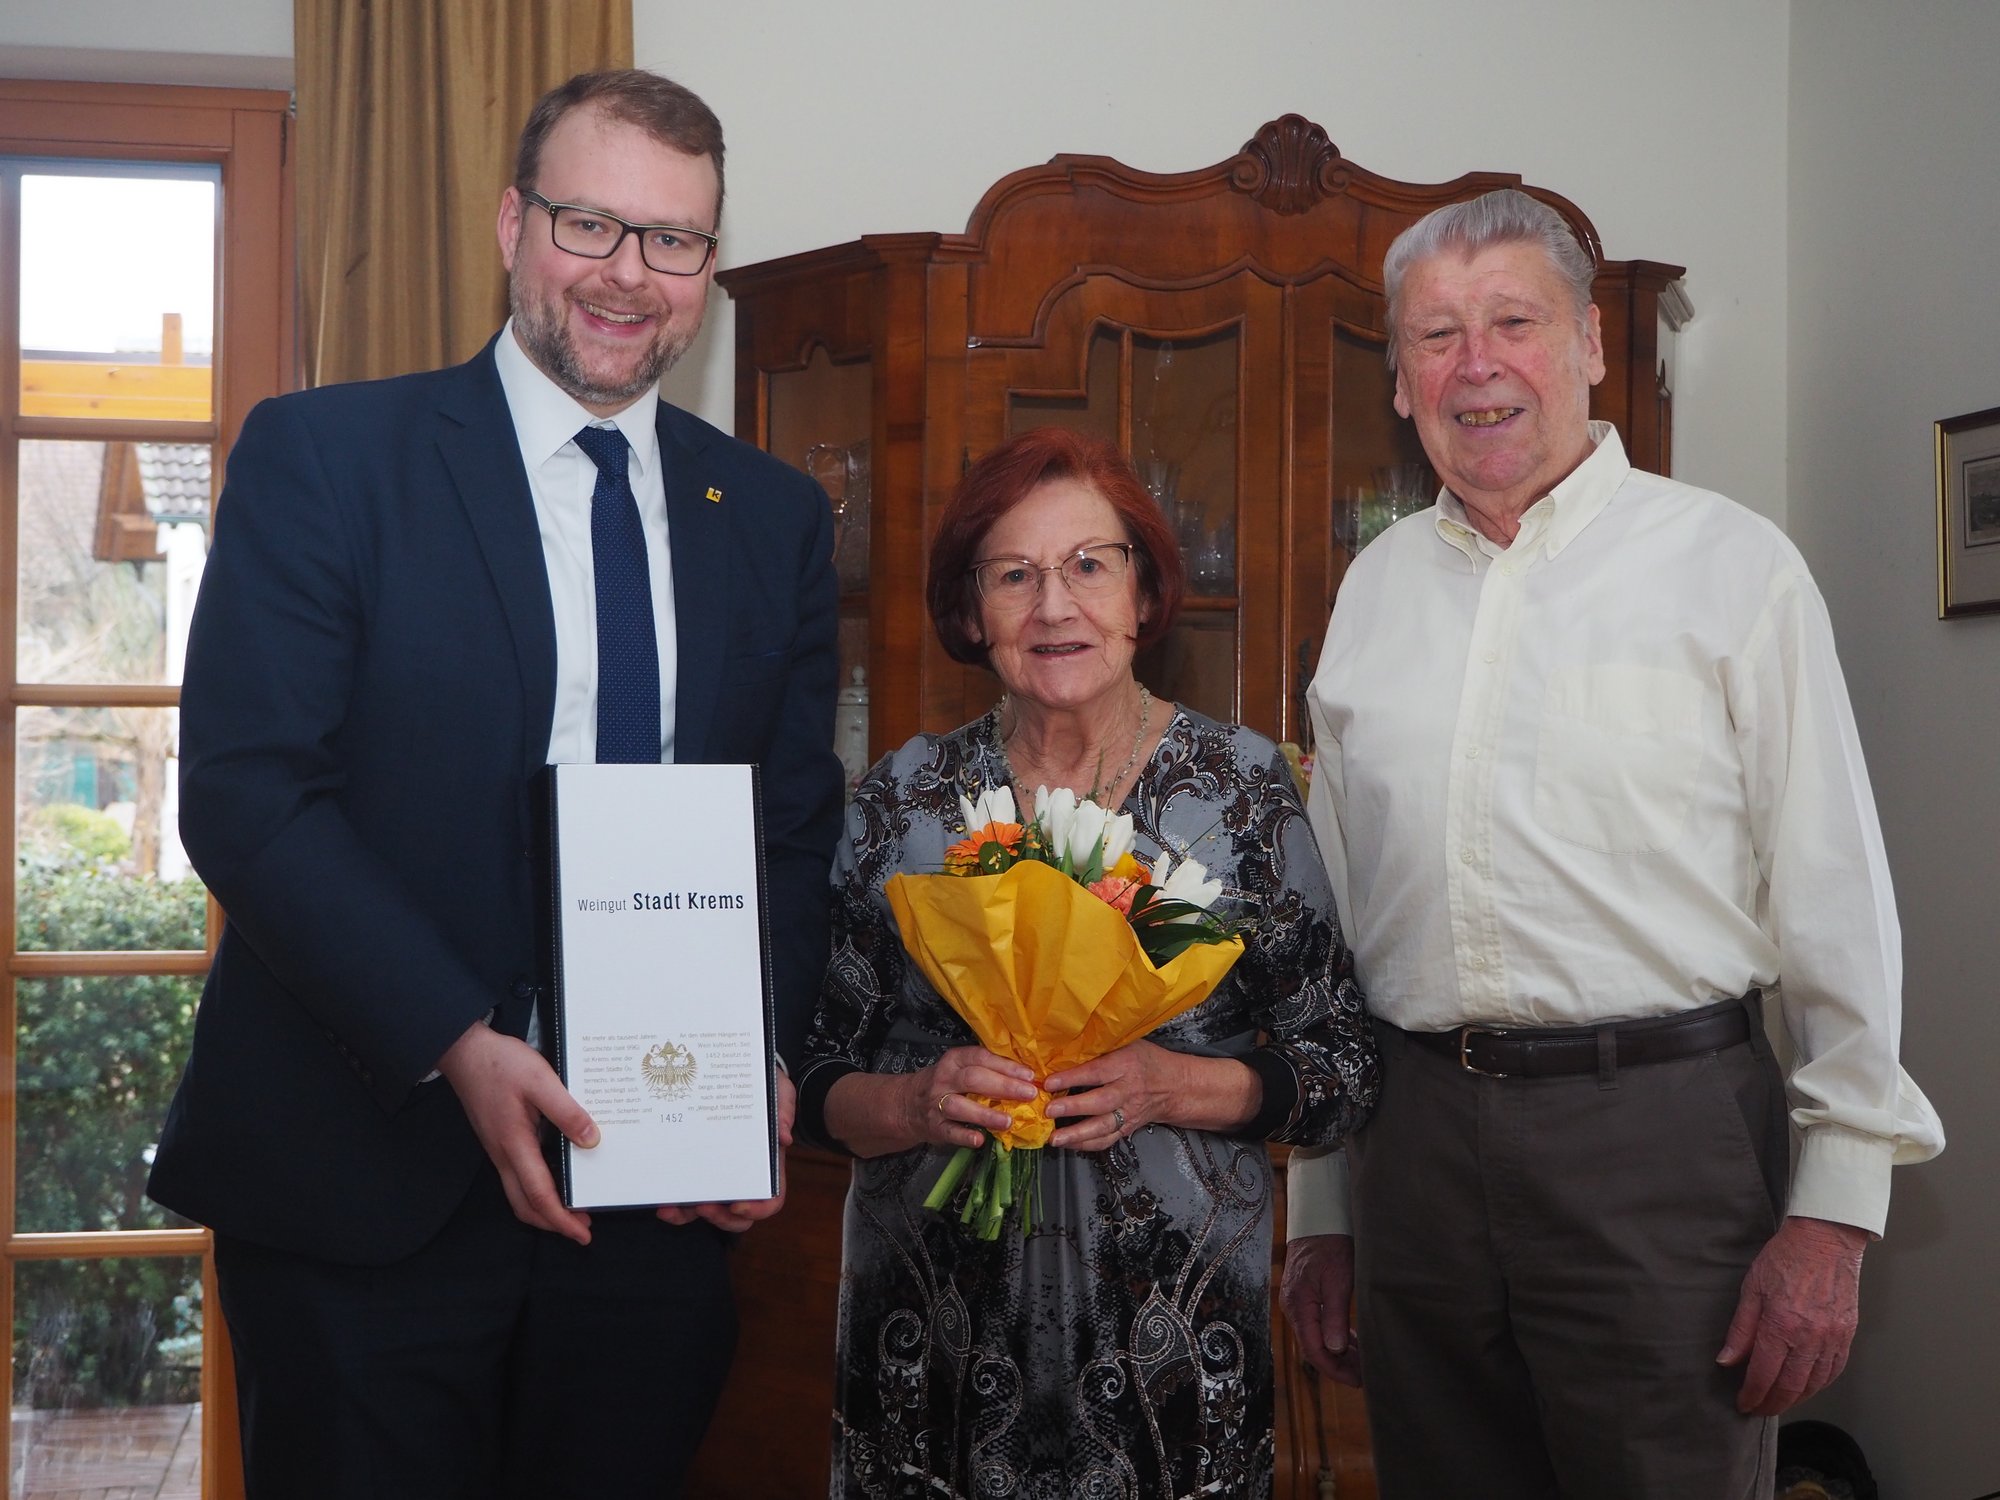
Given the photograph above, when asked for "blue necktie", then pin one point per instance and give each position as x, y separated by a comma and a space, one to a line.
628, 655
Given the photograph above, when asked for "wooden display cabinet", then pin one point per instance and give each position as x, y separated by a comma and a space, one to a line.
1226, 327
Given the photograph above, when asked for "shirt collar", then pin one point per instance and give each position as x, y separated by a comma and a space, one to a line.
1556, 518
546, 416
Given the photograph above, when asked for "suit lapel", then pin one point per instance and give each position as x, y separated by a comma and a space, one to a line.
476, 439
697, 535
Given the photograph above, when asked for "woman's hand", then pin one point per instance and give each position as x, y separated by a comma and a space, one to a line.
939, 1109
874, 1114
1143, 1083
1121, 1091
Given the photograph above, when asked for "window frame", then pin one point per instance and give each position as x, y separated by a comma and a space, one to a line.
244, 133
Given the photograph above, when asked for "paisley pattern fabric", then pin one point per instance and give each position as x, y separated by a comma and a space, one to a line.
1122, 1351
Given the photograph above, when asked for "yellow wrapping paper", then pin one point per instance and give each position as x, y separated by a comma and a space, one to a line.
1044, 973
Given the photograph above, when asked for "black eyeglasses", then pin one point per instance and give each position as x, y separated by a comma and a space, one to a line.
590, 232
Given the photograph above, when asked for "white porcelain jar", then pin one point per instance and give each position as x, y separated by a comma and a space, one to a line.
850, 728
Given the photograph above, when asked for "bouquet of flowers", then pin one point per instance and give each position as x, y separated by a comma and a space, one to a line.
1057, 945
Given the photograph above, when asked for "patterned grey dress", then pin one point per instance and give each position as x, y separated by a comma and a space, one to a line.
1122, 1351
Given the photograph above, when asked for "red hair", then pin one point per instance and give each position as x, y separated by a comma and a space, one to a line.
1001, 480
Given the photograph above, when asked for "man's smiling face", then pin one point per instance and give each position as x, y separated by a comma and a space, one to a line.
606, 330
1495, 366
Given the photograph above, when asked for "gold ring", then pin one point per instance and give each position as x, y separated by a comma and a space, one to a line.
940, 1102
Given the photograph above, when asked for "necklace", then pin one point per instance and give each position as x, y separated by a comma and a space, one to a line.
1131, 758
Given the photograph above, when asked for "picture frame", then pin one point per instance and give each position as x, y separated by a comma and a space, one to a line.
1968, 511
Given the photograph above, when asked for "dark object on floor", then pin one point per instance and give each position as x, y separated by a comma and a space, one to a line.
1817, 1461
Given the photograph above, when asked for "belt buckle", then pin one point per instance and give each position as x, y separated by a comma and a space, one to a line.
1465, 1036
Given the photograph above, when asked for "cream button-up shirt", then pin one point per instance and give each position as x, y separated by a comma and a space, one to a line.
1611, 772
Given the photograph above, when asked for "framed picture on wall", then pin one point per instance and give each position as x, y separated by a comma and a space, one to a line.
1968, 483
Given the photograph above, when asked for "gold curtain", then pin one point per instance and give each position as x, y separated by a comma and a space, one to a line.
408, 111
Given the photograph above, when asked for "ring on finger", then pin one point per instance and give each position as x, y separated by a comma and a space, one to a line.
940, 1102
1118, 1115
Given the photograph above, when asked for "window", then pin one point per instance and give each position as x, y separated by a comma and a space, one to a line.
144, 308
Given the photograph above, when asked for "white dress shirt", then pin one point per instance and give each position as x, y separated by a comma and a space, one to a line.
561, 478
1611, 772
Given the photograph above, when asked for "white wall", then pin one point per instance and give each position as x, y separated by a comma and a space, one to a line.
1666, 128
232, 27
222, 43
1895, 323
1666, 125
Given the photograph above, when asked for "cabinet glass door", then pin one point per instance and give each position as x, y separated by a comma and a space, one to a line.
1355, 465
1167, 377
820, 419
1171, 404
1185, 397
1378, 469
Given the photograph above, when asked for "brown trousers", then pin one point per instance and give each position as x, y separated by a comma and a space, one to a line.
1546, 1269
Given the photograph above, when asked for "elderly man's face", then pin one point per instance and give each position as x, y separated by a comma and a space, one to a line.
606, 330
1495, 368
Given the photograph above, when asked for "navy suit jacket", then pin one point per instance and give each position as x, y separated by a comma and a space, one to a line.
370, 683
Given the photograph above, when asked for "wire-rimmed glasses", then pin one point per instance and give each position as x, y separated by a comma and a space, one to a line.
1016, 582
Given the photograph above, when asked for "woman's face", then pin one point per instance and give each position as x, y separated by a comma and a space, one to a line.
1066, 649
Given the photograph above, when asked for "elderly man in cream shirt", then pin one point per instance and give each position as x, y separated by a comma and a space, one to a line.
1588, 783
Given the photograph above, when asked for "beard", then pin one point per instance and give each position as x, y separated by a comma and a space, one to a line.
544, 331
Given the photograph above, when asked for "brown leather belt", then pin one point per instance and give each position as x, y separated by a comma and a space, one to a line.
1515, 1052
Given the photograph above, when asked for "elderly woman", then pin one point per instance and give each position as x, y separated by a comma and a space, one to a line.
1121, 1349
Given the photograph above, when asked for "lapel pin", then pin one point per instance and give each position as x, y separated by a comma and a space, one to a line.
714, 494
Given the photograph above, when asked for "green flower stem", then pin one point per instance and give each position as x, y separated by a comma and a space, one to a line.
994, 1209
948, 1179
982, 1177
1002, 1195
1001, 1177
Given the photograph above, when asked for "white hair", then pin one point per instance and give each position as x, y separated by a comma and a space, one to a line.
1506, 216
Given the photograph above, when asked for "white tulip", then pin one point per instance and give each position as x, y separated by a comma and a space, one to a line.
995, 805
1054, 811
1187, 882
1086, 833
1117, 838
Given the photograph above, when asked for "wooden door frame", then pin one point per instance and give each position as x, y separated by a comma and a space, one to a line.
244, 133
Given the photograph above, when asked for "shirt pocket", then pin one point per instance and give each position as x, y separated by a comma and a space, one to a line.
1619, 752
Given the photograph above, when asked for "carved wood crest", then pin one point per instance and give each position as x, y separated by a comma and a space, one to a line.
1289, 166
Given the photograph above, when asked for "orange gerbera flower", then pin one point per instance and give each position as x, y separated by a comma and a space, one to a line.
963, 856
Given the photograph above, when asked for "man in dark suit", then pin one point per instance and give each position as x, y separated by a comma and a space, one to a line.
421, 591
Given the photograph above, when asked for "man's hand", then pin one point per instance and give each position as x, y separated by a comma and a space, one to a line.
507, 1089
1316, 1292
1796, 1317
737, 1217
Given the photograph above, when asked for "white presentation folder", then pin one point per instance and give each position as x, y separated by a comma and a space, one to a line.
656, 956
